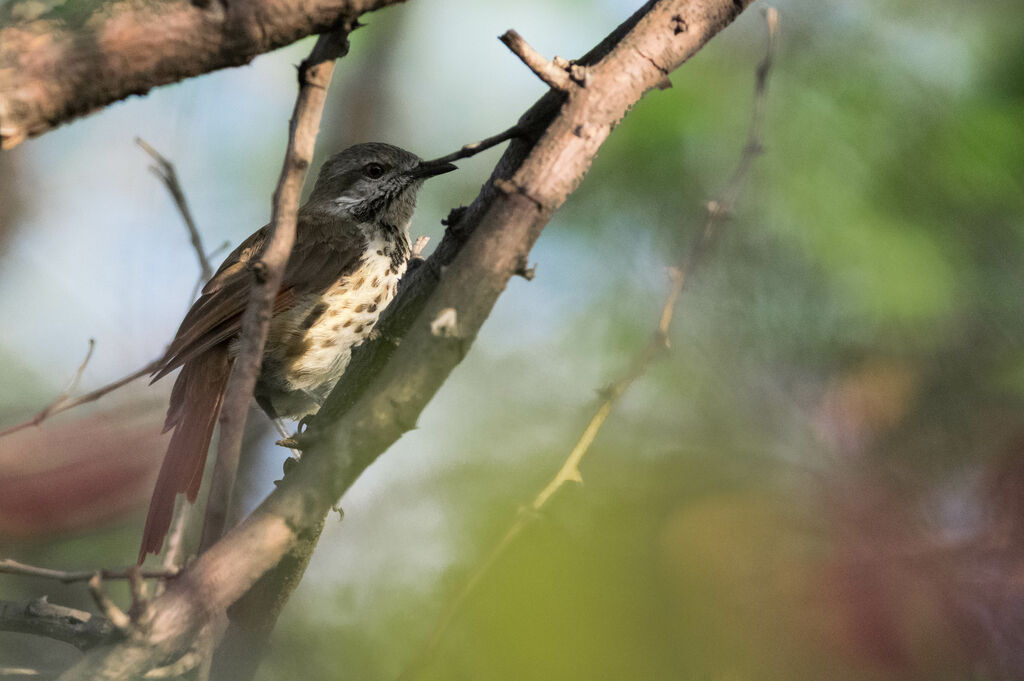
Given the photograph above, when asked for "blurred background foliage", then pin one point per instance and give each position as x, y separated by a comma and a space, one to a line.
825, 477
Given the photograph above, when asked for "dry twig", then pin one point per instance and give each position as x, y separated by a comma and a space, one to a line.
548, 71
13, 567
717, 212
164, 170
475, 148
314, 78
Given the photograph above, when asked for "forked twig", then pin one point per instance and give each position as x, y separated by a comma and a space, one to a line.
717, 212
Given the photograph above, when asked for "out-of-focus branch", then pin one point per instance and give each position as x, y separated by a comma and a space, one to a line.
13, 567
39, 617
387, 385
164, 170
314, 78
717, 212
55, 66
63, 402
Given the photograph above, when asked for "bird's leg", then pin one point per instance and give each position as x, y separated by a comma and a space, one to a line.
282, 430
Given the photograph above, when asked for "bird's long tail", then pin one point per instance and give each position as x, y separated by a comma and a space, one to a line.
195, 404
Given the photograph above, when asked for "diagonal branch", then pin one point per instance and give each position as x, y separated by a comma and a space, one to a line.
683, 271
314, 78
550, 72
164, 170
480, 252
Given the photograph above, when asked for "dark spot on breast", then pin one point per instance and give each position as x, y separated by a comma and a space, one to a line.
359, 283
347, 324
360, 307
380, 251
358, 329
376, 282
380, 297
329, 343
313, 315
372, 308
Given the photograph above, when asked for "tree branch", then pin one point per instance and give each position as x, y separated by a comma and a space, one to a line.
13, 567
66, 62
480, 252
548, 71
79, 628
683, 271
164, 170
314, 78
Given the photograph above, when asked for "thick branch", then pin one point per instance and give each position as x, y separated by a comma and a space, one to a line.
482, 251
78, 57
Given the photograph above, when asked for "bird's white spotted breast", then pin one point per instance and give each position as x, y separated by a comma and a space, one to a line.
318, 347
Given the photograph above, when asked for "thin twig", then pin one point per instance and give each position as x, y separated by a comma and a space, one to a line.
314, 78
63, 403
548, 71
24, 673
717, 212
164, 170
13, 567
475, 148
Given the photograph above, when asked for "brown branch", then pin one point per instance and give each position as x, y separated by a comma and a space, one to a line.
165, 171
13, 567
548, 71
55, 66
314, 78
717, 211
39, 617
386, 386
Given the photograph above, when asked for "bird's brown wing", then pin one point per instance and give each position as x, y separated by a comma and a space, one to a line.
316, 262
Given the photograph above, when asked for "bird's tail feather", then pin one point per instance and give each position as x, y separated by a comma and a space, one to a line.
195, 404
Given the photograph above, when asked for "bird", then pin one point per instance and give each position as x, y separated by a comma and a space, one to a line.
351, 248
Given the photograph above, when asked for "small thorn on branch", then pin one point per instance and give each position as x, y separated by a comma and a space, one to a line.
550, 72
522, 270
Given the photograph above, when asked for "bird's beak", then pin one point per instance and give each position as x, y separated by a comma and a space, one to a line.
430, 168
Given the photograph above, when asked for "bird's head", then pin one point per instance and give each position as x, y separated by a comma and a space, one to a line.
373, 182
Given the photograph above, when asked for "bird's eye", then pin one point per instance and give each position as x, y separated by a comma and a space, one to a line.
374, 171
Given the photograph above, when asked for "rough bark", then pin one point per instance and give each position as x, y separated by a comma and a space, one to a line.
77, 57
